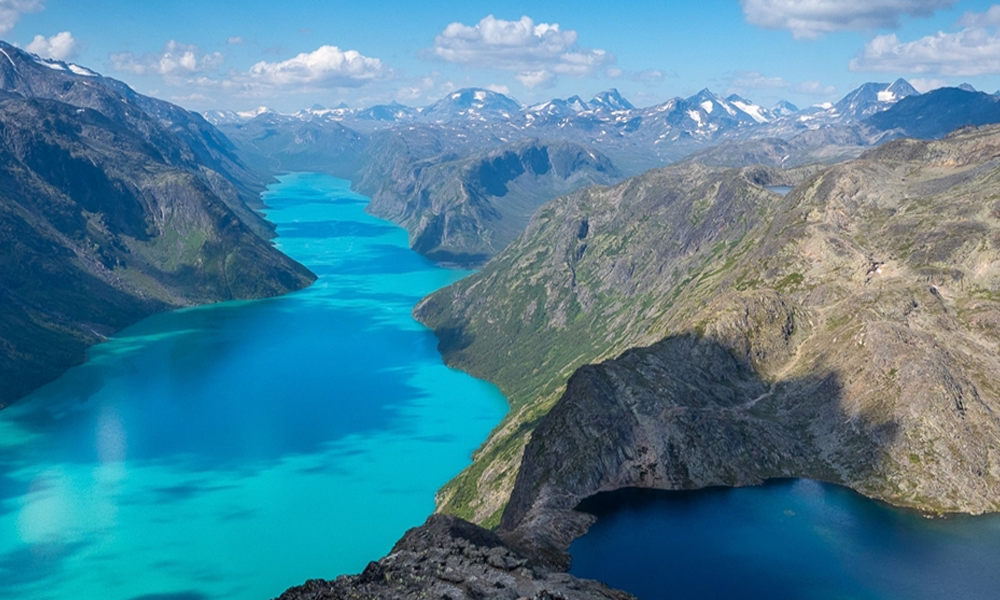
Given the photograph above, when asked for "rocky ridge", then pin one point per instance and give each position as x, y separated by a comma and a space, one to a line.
451, 558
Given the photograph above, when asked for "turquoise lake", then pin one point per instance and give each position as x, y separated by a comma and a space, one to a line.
234, 450
786, 540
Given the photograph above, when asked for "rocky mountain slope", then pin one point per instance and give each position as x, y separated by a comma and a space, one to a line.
936, 113
466, 210
451, 558
845, 332
109, 213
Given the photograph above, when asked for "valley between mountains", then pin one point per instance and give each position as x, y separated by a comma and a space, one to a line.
657, 315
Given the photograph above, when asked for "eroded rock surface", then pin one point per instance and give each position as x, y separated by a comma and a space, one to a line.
454, 559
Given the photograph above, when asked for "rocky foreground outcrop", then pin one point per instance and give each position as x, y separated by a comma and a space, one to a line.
449, 558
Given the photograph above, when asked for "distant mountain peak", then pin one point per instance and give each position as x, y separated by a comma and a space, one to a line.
784, 107
610, 99
472, 102
873, 97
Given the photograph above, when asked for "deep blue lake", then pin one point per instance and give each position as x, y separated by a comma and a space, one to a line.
787, 540
233, 450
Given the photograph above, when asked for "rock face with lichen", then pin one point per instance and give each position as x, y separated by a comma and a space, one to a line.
846, 332
454, 559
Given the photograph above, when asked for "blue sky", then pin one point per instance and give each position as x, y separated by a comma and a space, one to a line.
238, 55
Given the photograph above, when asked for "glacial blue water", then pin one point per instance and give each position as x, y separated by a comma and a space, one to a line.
787, 540
233, 450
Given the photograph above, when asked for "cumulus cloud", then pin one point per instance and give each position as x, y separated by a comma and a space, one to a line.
536, 52
813, 18
969, 52
11, 11
61, 46
326, 67
984, 19
236, 40
176, 60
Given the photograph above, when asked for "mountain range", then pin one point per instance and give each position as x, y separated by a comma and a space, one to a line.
387, 150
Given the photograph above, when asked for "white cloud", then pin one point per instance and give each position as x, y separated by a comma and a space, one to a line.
536, 52
813, 18
194, 98
984, 19
11, 11
430, 87
816, 88
743, 82
236, 40
754, 80
500, 89
175, 60
969, 52
531, 79
326, 67
925, 85
61, 46
645, 76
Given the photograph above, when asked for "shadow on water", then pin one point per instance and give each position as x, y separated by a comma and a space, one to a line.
245, 392
29, 565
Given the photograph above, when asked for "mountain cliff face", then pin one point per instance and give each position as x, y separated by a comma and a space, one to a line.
106, 216
845, 332
466, 210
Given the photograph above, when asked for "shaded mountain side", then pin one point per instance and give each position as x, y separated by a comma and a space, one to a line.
182, 138
450, 558
98, 229
938, 112
888, 265
466, 210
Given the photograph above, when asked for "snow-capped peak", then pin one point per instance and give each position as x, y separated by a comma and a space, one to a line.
250, 114
610, 100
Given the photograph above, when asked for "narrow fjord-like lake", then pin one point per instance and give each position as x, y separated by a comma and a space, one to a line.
233, 450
